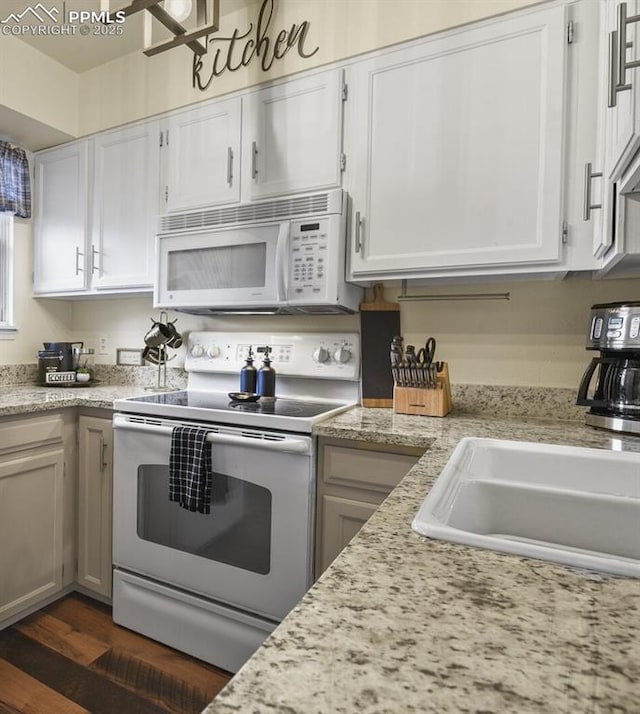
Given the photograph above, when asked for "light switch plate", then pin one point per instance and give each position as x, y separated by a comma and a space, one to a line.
129, 357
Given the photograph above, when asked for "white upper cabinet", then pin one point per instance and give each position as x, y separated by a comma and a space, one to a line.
96, 209
584, 146
201, 155
616, 234
623, 84
60, 219
292, 136
125, 207
456, 154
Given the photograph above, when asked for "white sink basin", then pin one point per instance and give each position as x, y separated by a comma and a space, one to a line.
570, 505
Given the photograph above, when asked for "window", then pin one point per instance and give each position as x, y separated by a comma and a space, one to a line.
15, 200
6, 271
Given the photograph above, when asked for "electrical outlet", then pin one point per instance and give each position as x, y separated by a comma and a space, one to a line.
103, 345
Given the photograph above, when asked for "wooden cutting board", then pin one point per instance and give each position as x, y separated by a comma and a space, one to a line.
379, 323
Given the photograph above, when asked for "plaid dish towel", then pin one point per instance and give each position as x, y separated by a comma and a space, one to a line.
190, 469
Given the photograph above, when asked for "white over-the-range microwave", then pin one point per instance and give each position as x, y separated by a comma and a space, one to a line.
282, 256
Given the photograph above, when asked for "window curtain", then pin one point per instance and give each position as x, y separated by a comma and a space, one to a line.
15, 187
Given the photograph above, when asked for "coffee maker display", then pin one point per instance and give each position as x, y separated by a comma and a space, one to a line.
614, 395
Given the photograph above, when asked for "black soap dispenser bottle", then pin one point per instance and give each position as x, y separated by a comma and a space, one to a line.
267, 377
248, 374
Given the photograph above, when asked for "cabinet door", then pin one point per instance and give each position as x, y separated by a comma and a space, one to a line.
353, 479
292, 136
457, 147
60, 225
202, 156
584, 144
31, 529
95, 504
623, 119
125, 207
342, 518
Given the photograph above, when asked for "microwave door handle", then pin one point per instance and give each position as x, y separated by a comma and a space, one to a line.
289, 443
282, 264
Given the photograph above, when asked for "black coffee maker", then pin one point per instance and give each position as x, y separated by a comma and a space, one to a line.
57, 357
614, 395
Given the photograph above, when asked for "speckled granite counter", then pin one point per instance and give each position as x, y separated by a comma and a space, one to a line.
30, 399
401, 623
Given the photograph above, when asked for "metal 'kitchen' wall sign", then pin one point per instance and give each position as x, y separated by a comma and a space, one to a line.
240, 49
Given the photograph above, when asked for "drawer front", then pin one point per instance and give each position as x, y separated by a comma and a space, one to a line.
19, 434
377, 470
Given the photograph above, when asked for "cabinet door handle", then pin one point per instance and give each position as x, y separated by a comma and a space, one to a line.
103, 455
621, 84
358, 236
613, 66
78, 254
94, 252
588, 206
254, 159
623, 46
229, 166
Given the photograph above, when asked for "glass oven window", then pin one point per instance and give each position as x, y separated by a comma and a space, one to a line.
236, 532
221, 267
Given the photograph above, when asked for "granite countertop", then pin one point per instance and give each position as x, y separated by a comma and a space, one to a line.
402, 623
30, 399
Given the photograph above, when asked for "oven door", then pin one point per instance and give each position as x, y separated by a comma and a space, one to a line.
236, 267
253, 551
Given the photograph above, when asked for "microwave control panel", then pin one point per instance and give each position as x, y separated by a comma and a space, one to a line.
308, 260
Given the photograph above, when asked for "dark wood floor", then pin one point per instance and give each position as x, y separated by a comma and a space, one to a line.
70, 658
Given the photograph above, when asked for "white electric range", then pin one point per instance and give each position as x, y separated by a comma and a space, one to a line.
215, 585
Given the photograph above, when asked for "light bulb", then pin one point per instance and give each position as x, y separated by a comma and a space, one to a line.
178, 9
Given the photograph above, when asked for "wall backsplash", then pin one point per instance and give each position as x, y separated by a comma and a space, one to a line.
468, 399
536, 339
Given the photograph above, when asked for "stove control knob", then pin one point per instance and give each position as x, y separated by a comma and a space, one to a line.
197, 351
342, 355
320, 355
213, 351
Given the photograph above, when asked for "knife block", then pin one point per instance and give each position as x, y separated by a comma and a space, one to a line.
423, 401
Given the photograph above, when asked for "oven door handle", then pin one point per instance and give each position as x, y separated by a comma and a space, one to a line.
288, 444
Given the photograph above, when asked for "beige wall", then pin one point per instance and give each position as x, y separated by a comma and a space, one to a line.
537, 338
134, 87
36, 320
34, 85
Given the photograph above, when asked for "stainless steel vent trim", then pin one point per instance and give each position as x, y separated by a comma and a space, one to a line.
276, 209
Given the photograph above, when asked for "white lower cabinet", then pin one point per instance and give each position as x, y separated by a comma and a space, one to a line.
36, 531
353, 479
95, 466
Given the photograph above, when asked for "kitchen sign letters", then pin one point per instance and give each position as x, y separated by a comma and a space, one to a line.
240, 49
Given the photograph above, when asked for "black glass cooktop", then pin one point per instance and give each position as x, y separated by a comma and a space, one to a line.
221, 402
